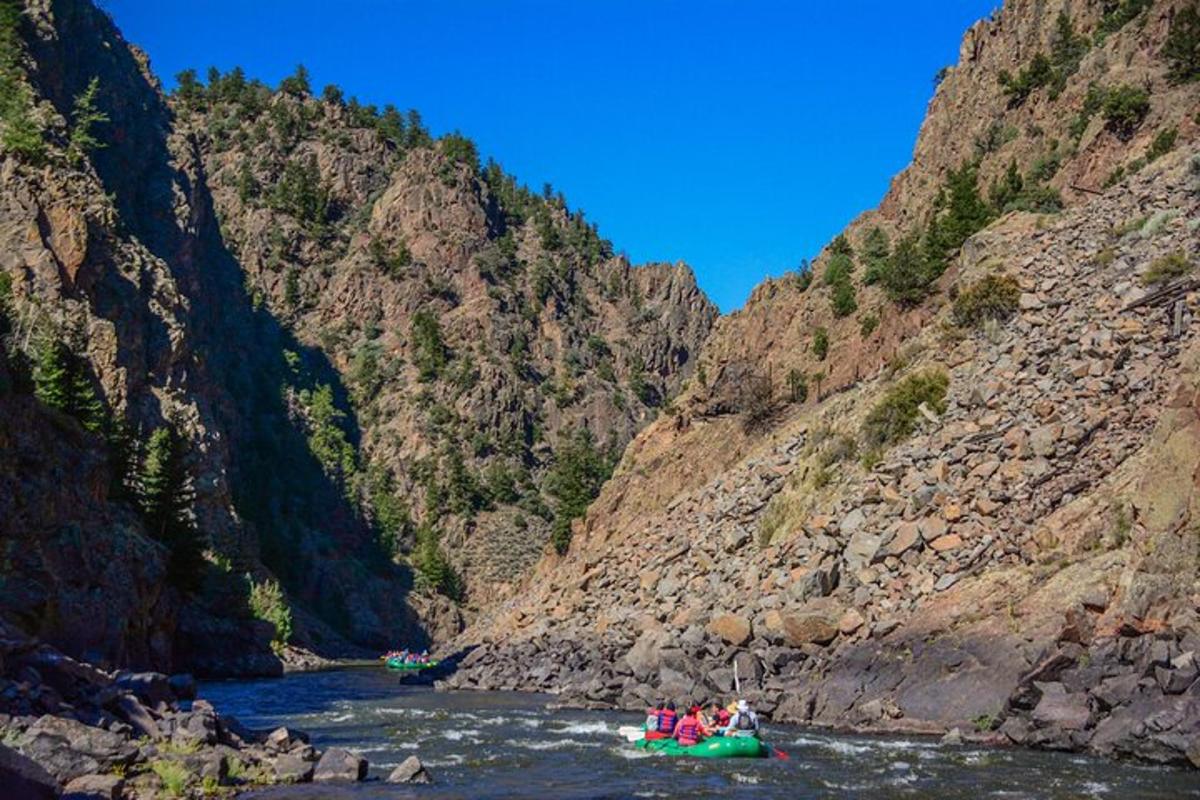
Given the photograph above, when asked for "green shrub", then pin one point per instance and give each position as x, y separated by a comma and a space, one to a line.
875, 249
1040, 72
820, 343
574, 480
1120, 13
797, 385
1124, 108
839, 269
842, 299
83, 117
267, 602
1167, 268
894, 417
992, 297
867, 324
429, 350
906, 275
174, 776
1182, 48
1162, 144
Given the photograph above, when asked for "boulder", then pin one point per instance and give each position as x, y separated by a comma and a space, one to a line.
338, 764
95, 787
151, 688
801, 629
183, 685
68, 749
906, 537
1059, 709
942, 544
291, 768
24, 778
850, 621
411, 770
730, 628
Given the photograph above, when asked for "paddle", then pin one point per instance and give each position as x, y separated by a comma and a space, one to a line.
631, 733
775, 751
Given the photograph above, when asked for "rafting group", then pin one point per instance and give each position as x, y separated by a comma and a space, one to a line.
716, 732
408, 659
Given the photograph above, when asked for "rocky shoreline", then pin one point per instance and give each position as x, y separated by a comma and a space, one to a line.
70, 729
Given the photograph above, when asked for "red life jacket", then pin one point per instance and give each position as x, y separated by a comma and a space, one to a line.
666, 721
722, 717
689, 731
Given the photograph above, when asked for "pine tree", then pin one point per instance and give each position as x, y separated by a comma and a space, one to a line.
574, 480
84, 116
61, 382
165, 496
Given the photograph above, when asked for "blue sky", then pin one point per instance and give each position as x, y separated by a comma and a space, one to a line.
737, 136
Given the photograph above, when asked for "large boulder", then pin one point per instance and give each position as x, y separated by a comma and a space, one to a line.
730, 628
801, 629
95, 787
23, 778
338, 764
411, 770
68, 749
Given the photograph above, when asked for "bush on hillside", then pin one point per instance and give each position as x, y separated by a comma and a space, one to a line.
1182, 48
267, 602
894, 417
1168, 268
1124, 108
820, 343
993, 297
1040, 72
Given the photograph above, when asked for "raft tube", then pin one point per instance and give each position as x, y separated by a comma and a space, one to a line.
409, 666
714, 747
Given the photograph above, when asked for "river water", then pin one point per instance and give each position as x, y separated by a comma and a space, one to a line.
508, 745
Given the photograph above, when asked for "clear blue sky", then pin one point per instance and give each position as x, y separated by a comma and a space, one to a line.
736, 136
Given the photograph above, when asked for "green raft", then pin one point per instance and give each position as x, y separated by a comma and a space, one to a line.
714, 747
409, 666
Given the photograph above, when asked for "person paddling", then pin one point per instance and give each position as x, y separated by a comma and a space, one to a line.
744, 721
688, 731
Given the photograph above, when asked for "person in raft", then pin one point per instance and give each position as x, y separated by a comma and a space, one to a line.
713, 721
744, 722
666, 722
689, 731
652, 716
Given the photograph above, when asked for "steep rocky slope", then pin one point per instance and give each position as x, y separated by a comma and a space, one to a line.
968, 500
373, 353
478, 327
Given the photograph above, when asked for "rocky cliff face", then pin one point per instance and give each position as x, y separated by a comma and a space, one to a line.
370, 344
476, 325
1016, 558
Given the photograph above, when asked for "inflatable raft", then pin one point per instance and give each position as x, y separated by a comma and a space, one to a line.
714, 747
408, 666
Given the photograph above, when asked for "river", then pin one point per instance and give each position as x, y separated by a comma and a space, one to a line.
508, 745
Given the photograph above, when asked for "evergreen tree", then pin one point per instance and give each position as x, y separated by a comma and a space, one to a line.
61, 381
429, 351
574, 480
1182, 48
20, 128
84, 116
188, 89
297, 83
165, 496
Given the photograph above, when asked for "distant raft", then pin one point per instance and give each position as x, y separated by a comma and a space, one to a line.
408, 666
714, 747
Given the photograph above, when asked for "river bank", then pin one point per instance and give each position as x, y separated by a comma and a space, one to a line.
510, 745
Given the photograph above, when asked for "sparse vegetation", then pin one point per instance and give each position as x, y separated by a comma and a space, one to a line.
1124, 108
1182, 48
574, 480
1168, 268
268, 603
868, 323
1163, 143
993, 297
894, 417
820, 343
174, 776
429, 350
165, 494
83, 117
797, 385
1037, 74
20, 127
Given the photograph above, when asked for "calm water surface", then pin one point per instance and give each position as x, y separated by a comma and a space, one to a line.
507, 745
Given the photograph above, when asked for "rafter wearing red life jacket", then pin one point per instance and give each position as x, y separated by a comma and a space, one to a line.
667, 719
688, 732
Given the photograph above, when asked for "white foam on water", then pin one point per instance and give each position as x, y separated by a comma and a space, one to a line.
550, 744
1093, 787
740, 778
339, 718
634, 754
585, 728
